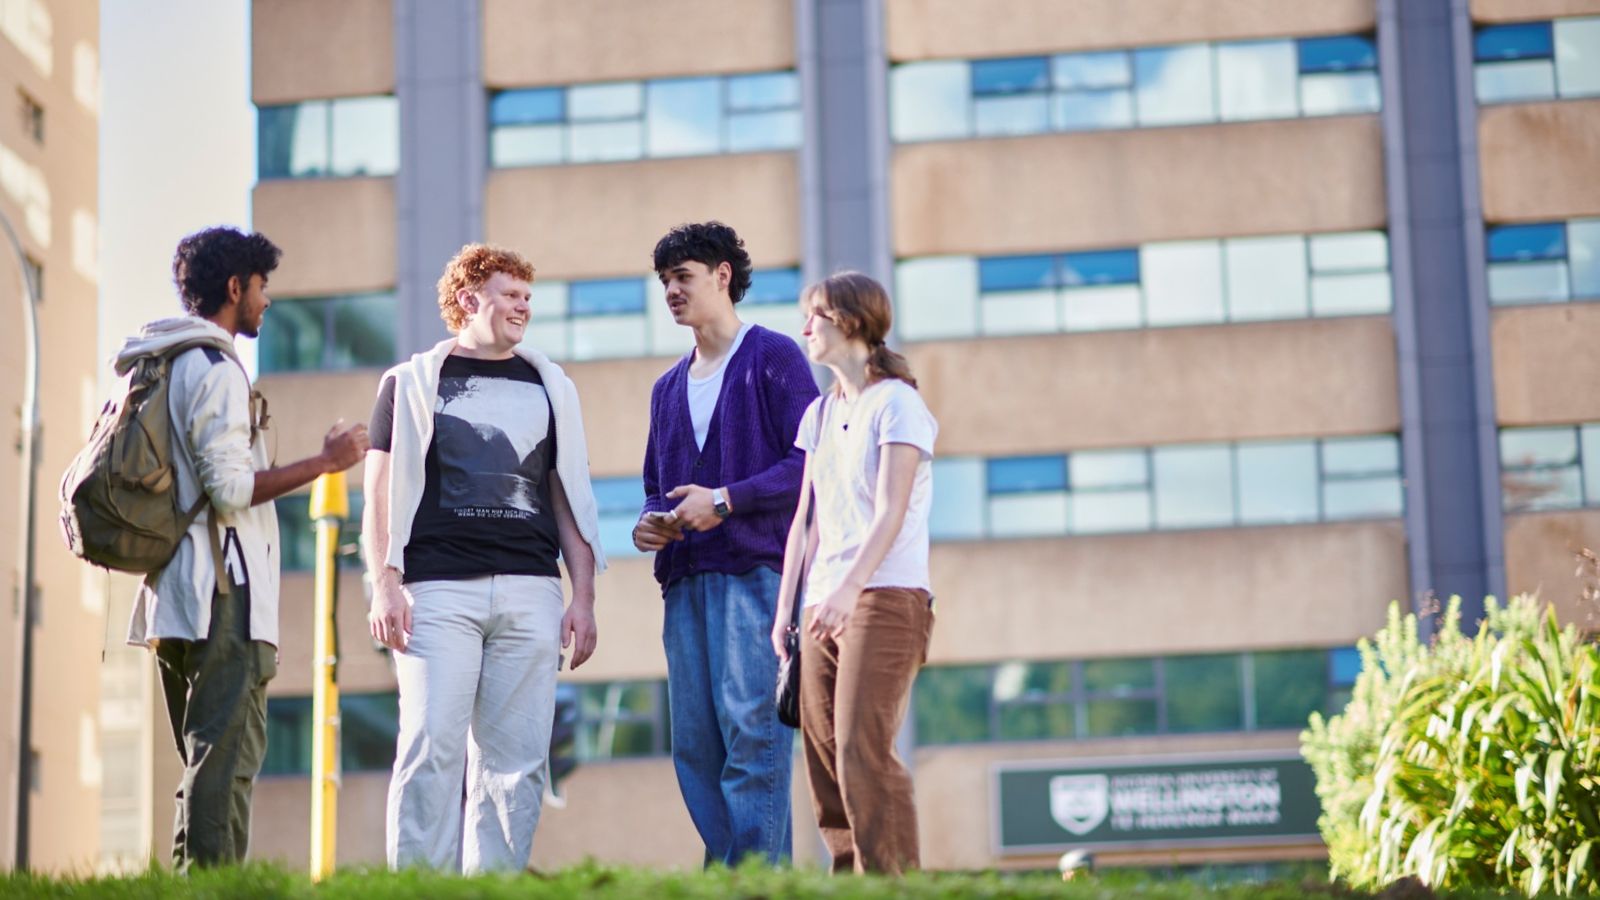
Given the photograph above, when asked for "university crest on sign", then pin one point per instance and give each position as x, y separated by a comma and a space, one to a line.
1079, 803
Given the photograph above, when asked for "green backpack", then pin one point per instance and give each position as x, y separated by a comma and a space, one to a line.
119, 497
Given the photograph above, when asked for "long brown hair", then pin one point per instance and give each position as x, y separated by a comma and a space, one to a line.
861, 309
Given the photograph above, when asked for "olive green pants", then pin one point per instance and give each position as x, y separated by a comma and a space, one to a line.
216, 693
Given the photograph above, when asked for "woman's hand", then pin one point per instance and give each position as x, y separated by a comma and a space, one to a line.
780, 630
832, 617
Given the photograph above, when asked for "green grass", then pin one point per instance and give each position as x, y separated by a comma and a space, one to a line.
593, 880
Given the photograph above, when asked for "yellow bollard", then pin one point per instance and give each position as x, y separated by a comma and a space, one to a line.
329, 508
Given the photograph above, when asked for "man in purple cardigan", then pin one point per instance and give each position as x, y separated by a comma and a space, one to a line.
721, 481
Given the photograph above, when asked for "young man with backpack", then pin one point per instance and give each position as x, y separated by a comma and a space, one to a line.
211, 613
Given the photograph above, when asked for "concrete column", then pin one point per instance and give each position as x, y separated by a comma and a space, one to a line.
1441, 311
438, 56
844, 156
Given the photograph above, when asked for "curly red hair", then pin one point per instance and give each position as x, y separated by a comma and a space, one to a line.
474, 265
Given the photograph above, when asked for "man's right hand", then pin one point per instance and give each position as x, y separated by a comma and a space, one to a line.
655, 531
344, 447
390, 618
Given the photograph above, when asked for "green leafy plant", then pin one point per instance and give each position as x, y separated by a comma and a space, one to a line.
1467, 761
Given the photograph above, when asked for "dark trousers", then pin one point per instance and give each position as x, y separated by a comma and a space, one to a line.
853, 696
216, 692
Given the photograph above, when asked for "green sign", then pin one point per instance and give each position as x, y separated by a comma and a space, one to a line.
1155, 802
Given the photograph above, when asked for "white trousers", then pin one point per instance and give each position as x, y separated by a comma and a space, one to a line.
477, 701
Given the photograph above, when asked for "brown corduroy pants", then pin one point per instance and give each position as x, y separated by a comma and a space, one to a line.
853, 696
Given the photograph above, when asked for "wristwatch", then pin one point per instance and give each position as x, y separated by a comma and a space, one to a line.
719, 504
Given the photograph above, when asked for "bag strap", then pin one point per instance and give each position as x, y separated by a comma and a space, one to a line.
219, 562
805, 539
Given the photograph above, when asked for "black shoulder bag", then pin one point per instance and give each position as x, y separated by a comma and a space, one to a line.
788, 696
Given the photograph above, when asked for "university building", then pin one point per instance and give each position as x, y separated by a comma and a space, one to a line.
1240, 320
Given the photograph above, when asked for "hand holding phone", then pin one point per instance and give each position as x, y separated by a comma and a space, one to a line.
656, 530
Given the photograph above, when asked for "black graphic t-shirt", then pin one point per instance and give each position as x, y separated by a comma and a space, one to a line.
486, 500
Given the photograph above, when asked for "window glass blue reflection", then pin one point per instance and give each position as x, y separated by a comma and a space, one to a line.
958, 499
773, 286
619, 501
1010, 76
1026, 474
528, 107
606, 297
1360, 456
1344, 53
1525, 40
1100, 267
770, 90
683, 116
292, 141
626, 120
366, 136
1278, 483
602, 102
1092, 71
1583, 257
1194, 486
1174, 85
1344, 664
1524, 242
1016, 273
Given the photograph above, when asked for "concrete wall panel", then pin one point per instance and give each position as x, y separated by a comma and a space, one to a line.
1544, 364
1529, 10
530, 42
924, 29
337, 234
1539, 160
1160, 386
1541, 555
302, 406
310, 49
1062, 191
1170, 592
599, 221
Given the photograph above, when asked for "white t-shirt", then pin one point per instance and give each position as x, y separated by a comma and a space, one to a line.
844, 474
703, 392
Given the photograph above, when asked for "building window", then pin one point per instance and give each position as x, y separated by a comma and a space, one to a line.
1554, 467
667, 117
1544, 262
622, 719
297, 534
1032, 700
308, 334
368, 727
613, 318
1177, 486
1184, 84
32, 112
1246, 279
1537, 60
340, 137
620, 501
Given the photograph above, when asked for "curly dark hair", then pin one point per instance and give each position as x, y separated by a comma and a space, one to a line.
708, 243
207, 259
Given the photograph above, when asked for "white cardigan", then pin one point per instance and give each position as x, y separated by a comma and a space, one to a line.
416, 389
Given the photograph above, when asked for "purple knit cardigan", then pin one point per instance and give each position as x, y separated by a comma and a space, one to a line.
749, 450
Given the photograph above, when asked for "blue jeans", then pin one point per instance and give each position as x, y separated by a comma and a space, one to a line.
732, 755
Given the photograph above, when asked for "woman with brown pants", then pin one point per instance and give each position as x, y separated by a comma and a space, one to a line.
869, 610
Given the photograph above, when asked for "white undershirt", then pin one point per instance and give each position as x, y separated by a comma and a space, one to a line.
703, 392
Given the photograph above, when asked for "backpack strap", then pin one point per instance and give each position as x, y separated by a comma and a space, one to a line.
215, 351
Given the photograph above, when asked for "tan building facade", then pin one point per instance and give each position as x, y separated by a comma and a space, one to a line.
49, 84
1222, 368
